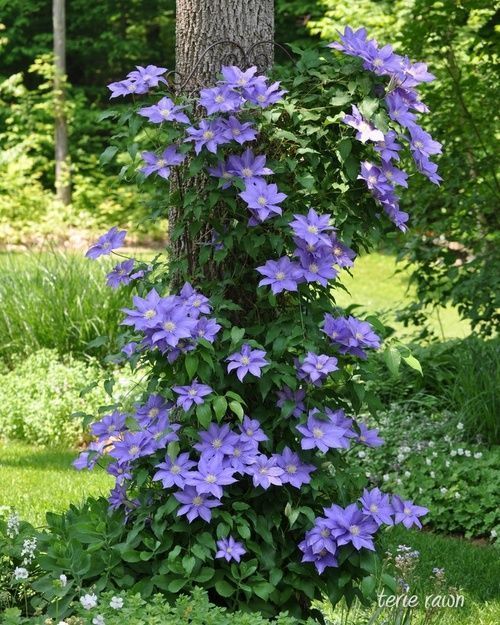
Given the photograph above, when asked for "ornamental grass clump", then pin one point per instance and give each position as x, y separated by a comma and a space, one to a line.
240, 449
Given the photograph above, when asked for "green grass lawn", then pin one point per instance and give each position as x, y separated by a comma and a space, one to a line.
35, 480
376, 287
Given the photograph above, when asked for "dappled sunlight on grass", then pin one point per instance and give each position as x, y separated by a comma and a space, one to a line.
34, 480
378, 284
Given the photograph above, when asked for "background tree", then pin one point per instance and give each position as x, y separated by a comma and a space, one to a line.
62, 161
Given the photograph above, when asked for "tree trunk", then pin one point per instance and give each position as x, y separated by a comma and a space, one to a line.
62, 162
209, 34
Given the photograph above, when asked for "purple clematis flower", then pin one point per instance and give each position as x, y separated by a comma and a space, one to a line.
237, 78
164, 110
297, 397
262, 94
127, 87
230, 549
321, 560
421, 142
350, 525
312, 228
242, 454
220, 99
374, 178
248, 166
377, 505
370, 438
407, 513
319, 434
195, 505
353, 42
389, 148
173, 325
262, 199
192, 394
366, 131
234, 130
134, 445
121, 472
343, 256
161, 164
295, 472
398, 110
146, 313
317, 367
248, 360
320, 537
281, 275
221, 172
208, 135
317, 267
151, 75
382, 61
211, 476
110, 425
88, 459
206, 329
353, 335
174, 472
123, 273
108, 242
154, 409
217, 440
265, 472
251, 431
394, 175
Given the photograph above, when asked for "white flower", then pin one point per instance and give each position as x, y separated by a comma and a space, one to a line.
385, 477
116, 603
399, 481
478, 454
493, 533
447, 463
88, 601
457, 495
407, 473
460, 426
431, 443
13, 525
63, 579
21, 573
432, 474
443, 490
453, 453
460, 451
434, 454
361, 454
62, 623
428, 462
98, 620
468, 453
400, 458
447, 438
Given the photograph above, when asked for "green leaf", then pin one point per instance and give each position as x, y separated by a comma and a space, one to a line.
392, 359
204, 415
263, 589
220, 407
237, 409
191, 364
412, 362
237, 334
188, 564
108, 155
176, 585
224, 588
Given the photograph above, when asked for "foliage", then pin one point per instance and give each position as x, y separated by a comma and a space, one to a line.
28, 212
427, 456
454, 245
192, 609
43, 391
37, 479
459, 376
57, 301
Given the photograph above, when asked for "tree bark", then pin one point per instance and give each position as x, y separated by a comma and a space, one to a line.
62, 161
206, 34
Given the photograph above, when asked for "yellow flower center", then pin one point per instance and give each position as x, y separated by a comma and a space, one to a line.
161, 162
197, 501
154, 412
261, 200
245, 360
236, 132
210, 478
175, 469
291, 468
208, 134
407, 511
192, 392
372, 179
312, 229
135, 449
165, 112
374, 507
247, 172
325, 533
280, 276
169, 326
217, 443
313, 268
318, 433
219, 99
354, 529
149, 314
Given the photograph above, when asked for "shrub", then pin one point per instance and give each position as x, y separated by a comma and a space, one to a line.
40, 394
56, 301
427, 455
282, 336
